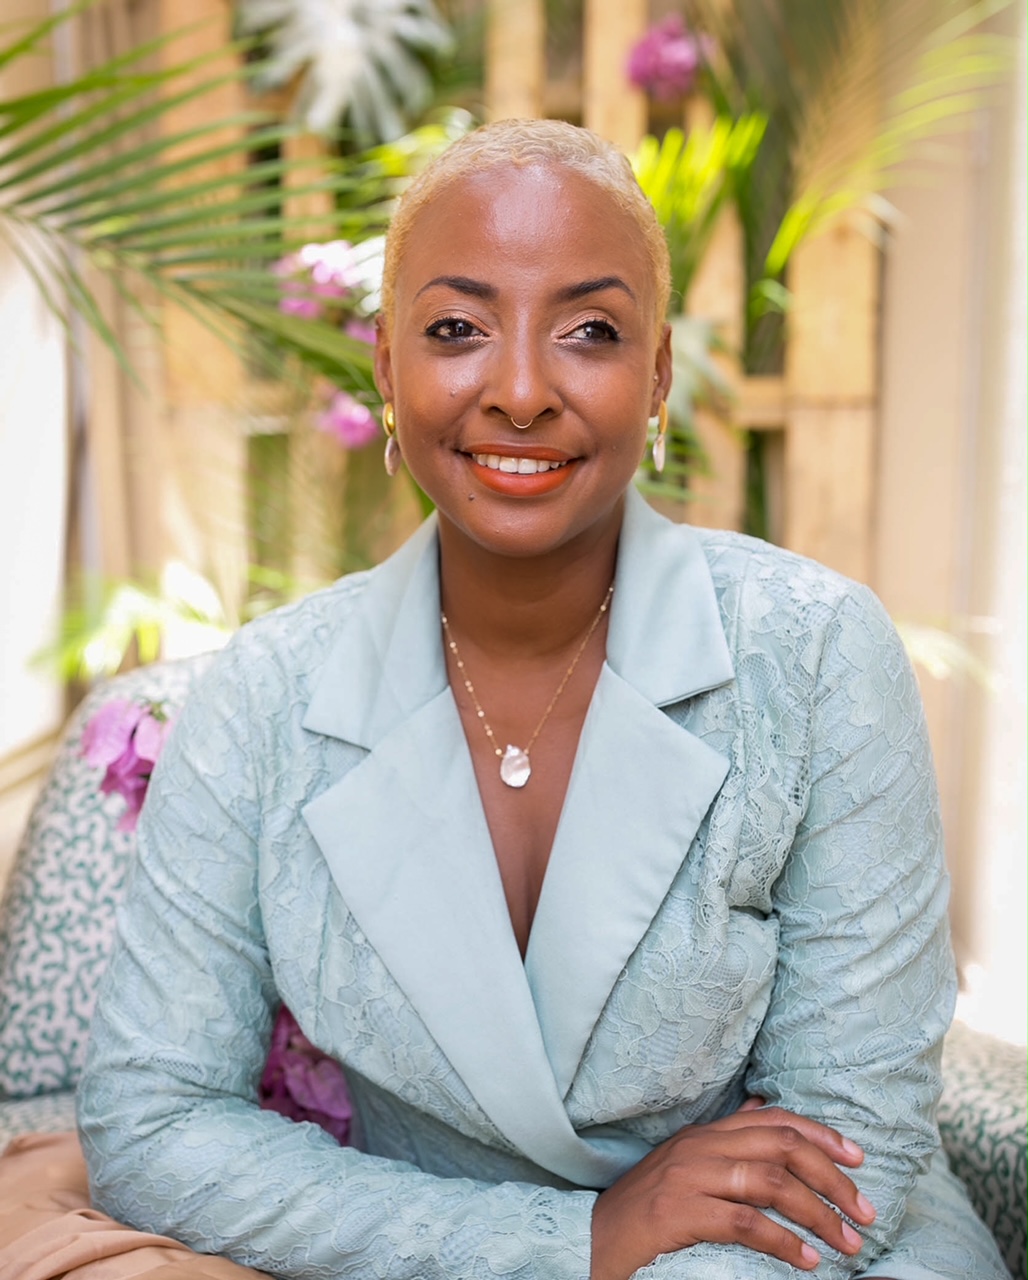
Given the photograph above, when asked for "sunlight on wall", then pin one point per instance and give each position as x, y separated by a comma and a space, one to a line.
997, 996
33, 481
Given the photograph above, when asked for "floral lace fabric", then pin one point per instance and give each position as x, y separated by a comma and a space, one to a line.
801, 952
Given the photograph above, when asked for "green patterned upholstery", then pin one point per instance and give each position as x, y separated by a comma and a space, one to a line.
982, 1118
57, 912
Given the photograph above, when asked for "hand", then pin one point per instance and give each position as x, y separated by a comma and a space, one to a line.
709, 1182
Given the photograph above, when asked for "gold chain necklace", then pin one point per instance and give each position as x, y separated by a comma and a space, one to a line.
515, 767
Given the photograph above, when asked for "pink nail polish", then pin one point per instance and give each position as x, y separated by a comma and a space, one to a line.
810, 1256
851, 1148
866, 1207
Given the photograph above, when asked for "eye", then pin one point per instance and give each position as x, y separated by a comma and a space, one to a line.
594, 331
453, 329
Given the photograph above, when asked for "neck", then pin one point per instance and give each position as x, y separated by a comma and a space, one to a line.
525, 606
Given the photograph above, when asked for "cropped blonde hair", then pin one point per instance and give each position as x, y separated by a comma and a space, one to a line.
522, 143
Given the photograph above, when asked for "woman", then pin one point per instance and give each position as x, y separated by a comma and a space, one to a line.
602, 852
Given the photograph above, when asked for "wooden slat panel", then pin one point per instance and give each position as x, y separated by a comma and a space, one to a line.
610, 105
829, 455
718, 500
760, 403
833, 319
831, 376
515, 66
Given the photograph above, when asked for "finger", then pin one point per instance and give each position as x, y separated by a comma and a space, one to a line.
841, 1149
726, 1223
799, 1194
775, 1166
752, 1104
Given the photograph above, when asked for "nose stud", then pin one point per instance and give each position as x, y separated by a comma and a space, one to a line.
522, 426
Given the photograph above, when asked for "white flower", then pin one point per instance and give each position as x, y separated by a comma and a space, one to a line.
357, 58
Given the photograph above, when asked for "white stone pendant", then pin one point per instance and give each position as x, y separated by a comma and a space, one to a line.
392, 456
515, 769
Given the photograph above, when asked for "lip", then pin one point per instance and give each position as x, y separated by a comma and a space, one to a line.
516, 449
513, 484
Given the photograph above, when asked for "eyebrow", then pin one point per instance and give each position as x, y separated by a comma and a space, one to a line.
585, 287
462, 284
479, 289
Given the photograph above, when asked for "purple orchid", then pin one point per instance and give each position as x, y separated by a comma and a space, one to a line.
665, 62
352, 423
125, 739
301, 1083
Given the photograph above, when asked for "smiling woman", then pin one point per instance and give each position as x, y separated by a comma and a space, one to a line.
664, 993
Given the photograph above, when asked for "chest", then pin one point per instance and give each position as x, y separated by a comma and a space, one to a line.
523, 821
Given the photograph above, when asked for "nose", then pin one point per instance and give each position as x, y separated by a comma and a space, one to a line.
522, 383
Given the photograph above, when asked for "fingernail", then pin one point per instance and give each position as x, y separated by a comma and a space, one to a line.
866, 1207
810, 1256
850, 1236
851, 1148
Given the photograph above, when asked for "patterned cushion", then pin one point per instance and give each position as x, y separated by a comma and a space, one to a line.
47, 1113
982, 1118
57, 914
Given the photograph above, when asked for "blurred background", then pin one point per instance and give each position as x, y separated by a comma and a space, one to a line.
192, 200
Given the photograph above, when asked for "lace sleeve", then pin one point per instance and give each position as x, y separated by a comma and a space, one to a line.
173, 1136
865, 983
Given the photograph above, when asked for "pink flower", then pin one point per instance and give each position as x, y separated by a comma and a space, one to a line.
331, 265
302, 1083
665, 61
361, 331
352, 423
125, 738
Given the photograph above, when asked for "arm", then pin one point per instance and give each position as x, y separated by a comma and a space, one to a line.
173, 1137
864, 984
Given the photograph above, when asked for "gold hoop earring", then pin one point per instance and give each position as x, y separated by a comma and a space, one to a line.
660, 441
393, 456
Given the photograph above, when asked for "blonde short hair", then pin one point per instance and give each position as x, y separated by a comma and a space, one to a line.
522, 143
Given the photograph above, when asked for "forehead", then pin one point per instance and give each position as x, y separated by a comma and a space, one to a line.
515, 225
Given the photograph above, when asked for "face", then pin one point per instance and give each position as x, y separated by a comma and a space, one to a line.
524, 295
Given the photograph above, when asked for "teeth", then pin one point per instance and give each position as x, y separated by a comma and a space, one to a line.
516, 466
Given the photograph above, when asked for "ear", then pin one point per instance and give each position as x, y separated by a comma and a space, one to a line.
383, 359
662, 369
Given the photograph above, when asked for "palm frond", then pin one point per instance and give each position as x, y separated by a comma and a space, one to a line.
94, 176
688, 180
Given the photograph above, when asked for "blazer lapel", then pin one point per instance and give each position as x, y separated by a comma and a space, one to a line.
406, 841
641, 783
405, 838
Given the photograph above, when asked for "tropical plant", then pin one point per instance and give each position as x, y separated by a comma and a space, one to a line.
848, 88
689, 180
355, 63
91, 180
803, 132
100, 187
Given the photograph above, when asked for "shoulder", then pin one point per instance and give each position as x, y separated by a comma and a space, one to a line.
812, 624
271, 663
296, 637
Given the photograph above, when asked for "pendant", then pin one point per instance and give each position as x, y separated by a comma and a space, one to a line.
515, 769
392, 456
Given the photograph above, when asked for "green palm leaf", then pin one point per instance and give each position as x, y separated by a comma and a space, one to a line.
93, 178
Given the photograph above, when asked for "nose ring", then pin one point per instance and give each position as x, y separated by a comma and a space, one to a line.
522, 426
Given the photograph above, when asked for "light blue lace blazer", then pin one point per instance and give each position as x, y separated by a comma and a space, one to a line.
745, 896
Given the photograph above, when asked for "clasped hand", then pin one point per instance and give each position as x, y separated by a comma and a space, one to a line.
711, 1182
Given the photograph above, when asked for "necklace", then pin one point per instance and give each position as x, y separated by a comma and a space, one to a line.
515, 766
